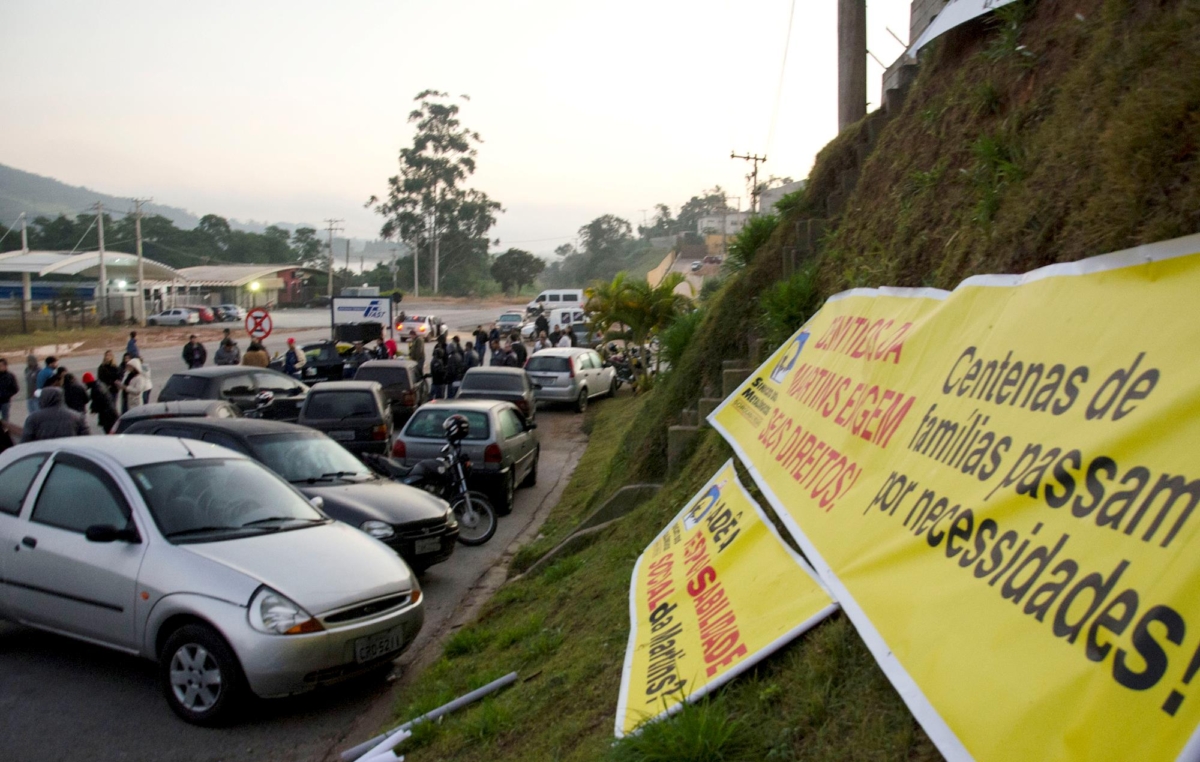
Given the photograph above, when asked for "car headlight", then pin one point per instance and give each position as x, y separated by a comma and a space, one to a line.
275, 614
450, 517
380, 530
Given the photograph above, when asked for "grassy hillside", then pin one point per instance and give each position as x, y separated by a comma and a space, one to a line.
1050, 133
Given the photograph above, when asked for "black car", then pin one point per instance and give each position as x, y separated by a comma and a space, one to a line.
353, 413
415, 524
239, 384
507, 384
181, 409
404, 387
322, 362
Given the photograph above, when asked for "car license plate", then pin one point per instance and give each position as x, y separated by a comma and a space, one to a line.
428, 545
374, 646
342, 436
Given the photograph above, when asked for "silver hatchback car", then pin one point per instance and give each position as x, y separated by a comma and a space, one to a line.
573, 375
195, 556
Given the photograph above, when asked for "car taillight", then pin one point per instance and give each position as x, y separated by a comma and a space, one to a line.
571, 366
398, 449
491, 453
379, 432
408, 399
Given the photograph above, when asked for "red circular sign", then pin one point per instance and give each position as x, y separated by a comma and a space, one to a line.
258, 323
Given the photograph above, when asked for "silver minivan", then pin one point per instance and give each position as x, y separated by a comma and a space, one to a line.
201, 559
573, 375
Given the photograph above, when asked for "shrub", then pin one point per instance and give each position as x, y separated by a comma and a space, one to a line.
787, 304
676, 338
752, 237
700, 732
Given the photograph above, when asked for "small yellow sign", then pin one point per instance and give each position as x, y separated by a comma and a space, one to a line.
716, 592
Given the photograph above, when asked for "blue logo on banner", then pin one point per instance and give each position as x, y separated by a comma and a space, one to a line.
789, 358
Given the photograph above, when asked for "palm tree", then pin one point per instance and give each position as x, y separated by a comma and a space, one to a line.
642, 309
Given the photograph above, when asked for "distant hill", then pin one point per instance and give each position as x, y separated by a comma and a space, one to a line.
34, 194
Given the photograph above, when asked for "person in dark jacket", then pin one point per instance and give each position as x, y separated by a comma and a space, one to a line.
194, 353
53, 419
109, 374
518, 348
31, 374
542, 324
74, 394
227, 353
437, 372
102, 403
8, 389
456, 368
481, 339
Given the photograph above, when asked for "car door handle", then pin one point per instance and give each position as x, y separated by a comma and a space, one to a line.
29, 542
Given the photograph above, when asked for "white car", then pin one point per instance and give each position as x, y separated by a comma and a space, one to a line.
428, 327
572, 376
177, 316
201, 559
237, 313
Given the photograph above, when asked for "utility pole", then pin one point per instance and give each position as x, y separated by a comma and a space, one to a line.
102, 291
332, 226
26, 280
395, 266
852, 62
347, 256
753, 176
436, 252
141, 273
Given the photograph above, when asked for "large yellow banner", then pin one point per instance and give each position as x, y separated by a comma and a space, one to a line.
716, 592
998, 484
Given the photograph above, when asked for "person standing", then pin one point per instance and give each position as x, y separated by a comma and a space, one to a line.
31, 374
8, 389
293, 359
131, 347
52, 419
437, 372
471, 359
136, 383
455, 367
392, 349
227, 354
555, 335
564, 341
541, 323
256, 356
109, 375
47, 373
74, 395
194, 353
102, 404
416, 353
518, 348
481, 339
543, 342
494, 334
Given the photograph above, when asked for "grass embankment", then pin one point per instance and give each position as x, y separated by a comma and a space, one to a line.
1062, 132
565, 628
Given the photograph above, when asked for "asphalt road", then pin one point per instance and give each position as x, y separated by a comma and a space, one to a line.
62, 699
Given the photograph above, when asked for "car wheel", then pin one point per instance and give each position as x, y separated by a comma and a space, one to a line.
508, 491
151, 321
200, 675
531, 477
582, 403
612, 388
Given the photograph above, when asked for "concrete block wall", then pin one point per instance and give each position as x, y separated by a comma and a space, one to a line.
921, 14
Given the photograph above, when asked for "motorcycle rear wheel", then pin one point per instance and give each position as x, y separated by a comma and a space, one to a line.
476, 520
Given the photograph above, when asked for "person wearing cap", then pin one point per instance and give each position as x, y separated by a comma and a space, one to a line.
294, 360
102, 404
194, 353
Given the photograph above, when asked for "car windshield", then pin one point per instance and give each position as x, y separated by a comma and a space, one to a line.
210, 500
387, 377
492, 382
180, 386
307, 457
339, 406
427, 423
544, 364
510, 319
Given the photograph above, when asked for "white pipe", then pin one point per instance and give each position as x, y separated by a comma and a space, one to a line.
374, 745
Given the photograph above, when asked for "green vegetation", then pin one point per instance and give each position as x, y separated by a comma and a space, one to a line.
1056, 133
515, 269
746, 244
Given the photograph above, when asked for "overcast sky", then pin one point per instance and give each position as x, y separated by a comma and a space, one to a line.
294, 111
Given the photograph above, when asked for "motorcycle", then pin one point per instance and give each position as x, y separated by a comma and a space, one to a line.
445, 477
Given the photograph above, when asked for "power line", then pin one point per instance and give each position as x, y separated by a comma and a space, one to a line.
787, 43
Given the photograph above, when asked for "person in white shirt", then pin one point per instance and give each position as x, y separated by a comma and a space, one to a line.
564, 341
543, 342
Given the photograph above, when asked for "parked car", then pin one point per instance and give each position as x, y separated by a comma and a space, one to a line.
503, 445
403, 386
557, 297
180, 409
323, 361
510, 321
573, 375
240, 385
232, 312
353, 413
696, 265
200, 559
426, 326
415, 524
176, 316
204, 313
508, 384
713, 260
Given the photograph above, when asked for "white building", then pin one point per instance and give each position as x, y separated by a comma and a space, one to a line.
733, 222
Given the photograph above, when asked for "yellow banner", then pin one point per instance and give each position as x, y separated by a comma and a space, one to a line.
716, 592
998, 485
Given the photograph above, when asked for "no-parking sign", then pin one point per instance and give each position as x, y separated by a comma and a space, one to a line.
258, 323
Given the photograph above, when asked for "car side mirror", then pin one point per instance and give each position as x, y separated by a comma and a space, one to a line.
317, 502
109, 533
